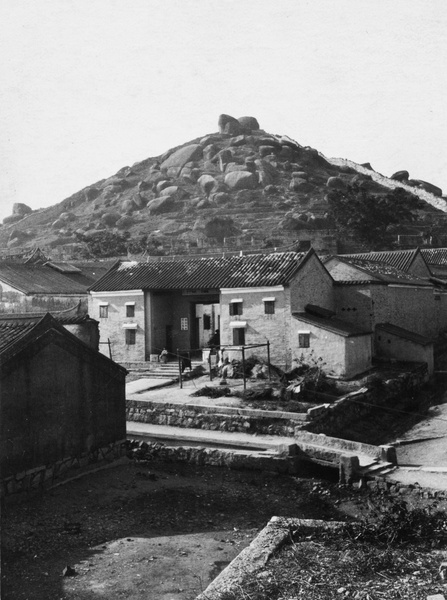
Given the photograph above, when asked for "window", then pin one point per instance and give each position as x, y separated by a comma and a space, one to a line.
269, 307
206, 321
130, 310
238, 336
304, 340
103, 311
235, 308
184, 324
131, 336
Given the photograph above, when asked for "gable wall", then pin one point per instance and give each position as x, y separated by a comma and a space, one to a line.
413, 308
353, 303
419, 267
312, 285
56, 403
341, 271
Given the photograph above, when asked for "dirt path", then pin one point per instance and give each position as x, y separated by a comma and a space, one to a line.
131, 532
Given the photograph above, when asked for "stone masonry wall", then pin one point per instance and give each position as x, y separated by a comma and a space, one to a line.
333, 419
200, 418
46, 476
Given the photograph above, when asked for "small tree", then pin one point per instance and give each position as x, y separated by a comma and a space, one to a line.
369, 218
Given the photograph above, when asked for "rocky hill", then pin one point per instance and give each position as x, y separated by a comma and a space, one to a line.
237, 188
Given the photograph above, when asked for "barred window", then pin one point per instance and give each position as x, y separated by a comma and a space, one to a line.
238, 336
130, 310
131, 337
304, 340
235, 308
269, 307
103, 311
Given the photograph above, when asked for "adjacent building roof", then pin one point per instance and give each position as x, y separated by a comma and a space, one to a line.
379, 271
19, 331
333, 324
435, 256
255, 270
404, 333
401, 259
46, 279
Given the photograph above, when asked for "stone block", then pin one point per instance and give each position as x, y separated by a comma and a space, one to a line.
348, 468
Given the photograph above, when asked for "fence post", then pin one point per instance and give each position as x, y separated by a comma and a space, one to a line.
268, 359
243, 367
179, 369
209, 366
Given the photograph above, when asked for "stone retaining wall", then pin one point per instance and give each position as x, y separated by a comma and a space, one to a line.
395, 488
46, 476
214, 418
215, 457
333, 419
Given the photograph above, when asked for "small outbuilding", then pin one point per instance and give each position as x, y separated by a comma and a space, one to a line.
397, 343
62, 401
345, 349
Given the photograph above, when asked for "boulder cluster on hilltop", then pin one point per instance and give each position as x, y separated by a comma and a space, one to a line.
267, 184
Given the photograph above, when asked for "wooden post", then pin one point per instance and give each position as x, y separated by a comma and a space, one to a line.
180, 380
243, 367
209, 366
268, 359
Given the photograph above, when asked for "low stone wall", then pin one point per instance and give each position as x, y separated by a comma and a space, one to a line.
214, 418
395, 488
333, 419
47, 476
215, 457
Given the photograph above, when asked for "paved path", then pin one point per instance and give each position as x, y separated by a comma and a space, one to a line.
206, 436
151, 389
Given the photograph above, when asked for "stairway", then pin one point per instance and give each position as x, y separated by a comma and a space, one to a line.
157, 370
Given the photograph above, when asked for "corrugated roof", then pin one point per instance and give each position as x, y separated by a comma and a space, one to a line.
383, 271
404, 333
205, 273
435, 256
401, 259
42, 279
333, 324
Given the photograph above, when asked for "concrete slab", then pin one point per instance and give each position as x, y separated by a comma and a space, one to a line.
145, 384
206, 436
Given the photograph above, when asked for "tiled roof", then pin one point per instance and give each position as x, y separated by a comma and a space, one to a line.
13, 330
383, 271
435, 256
43, 279
20, 331
401, 259
14, 325
404, 333
333, 324
205, 273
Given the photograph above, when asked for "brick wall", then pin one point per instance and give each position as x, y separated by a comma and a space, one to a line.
111, 327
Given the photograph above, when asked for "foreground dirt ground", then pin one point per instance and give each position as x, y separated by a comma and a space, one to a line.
158, 533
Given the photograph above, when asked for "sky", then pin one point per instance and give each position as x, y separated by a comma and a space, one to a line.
90, 86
